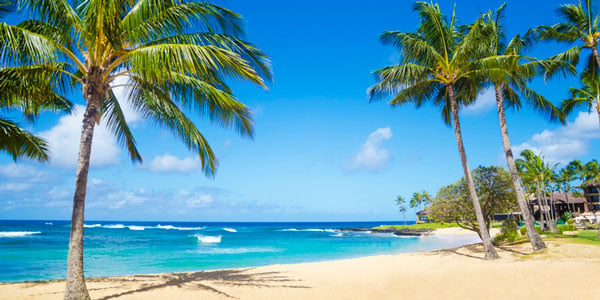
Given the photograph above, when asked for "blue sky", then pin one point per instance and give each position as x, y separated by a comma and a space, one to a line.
321, 151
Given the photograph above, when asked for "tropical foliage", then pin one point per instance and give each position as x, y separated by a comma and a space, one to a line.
29, 90
171, 56
442, 65
452, 203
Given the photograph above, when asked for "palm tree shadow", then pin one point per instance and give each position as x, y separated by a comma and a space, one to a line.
200, 281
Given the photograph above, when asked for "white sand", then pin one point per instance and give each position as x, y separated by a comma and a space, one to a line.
564, 271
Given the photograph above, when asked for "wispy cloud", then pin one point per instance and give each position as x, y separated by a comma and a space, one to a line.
371, 156
565, 143
485, 102
168, 163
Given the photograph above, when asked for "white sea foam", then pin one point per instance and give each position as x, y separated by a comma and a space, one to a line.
91, 226
136, 227
288, 229
340, 234
48, 223
206, 239
171, 227
229, 229
17, 233
216, 250
114, 226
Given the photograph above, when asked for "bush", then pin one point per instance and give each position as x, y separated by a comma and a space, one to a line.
508, 232
523, 230
562, 228
566, 216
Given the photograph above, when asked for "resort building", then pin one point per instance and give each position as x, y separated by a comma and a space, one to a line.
563, 202
591, 192
423, 216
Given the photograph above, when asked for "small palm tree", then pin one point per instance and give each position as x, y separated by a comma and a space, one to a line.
586, 96
441, 64
174, 56
580, 24
401, 207
536, 173
566, 176
19, 92
511, 90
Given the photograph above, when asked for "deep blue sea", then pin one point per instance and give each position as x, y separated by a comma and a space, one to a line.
37, 250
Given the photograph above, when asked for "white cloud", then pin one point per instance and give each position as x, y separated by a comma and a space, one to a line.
566, 143
168, 163
196, 201
485, 102
64, 138
371, 157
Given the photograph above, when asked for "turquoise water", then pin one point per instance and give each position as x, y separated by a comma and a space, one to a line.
37, 250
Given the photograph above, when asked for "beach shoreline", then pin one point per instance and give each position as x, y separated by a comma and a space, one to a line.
454, 273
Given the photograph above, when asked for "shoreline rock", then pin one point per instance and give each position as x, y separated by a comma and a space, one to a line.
395, 231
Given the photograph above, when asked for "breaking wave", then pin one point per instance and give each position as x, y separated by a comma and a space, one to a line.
206, 239
17, 233
229, 229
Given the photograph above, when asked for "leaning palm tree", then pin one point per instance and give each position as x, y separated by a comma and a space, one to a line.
511, 90
440, 64
21, 93
174, 56
580, 25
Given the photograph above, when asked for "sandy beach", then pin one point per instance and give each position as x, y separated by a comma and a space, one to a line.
564, 271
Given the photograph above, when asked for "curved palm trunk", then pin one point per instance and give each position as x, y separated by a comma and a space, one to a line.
76, 288
596, 56
534, 237
490, 252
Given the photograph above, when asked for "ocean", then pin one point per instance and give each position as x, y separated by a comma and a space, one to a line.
37, 250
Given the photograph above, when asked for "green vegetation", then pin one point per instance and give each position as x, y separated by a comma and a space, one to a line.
452, 203
173, 58
508, 233
419, 226
588, 237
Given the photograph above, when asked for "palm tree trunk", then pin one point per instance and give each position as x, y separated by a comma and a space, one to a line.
76, 288
596, 56
490, 252
534, 237
542, 208
551, 221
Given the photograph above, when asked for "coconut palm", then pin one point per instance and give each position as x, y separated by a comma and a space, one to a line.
580, 25
401, 207
440, 64
586, 96
171, 56
566, 176
591, 171
511, 90
19, 93
538, 175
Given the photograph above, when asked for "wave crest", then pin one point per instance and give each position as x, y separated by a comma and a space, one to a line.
17, 233
207, 239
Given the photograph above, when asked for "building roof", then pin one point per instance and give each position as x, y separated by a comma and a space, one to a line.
423, 212
560, 198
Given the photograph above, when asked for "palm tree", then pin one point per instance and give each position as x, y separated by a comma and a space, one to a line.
19, 93
591, 171
586, 96
566, 176
536, 173
440, 64
415, 200
580, 24
401, 207
511, 89
174, 55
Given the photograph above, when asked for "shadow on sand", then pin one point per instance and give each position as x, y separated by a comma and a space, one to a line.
201, 281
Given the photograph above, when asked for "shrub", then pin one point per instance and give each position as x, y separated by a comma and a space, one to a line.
508, 232
562, 228
566, 216
523, 230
